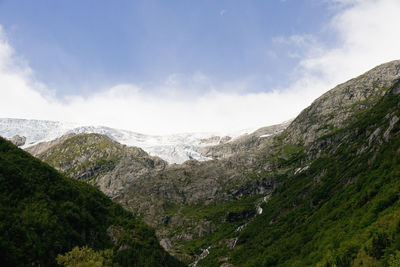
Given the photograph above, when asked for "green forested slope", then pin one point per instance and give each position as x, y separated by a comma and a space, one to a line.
43, 214
343, 210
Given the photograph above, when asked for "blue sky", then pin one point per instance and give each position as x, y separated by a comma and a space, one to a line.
163, 67
77, 47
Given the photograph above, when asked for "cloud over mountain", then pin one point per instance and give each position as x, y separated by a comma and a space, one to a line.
366, 34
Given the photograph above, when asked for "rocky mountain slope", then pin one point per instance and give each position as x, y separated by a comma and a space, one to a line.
175, 148
338, 202
44, 214
147, 185
99, 160
322, 192
244, 142
334, 109
233, 188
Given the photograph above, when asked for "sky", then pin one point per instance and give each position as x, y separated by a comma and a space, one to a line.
161, 67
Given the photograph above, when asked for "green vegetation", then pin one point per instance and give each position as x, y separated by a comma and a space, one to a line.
101, 152
343, 210
43, 214
226, 217
87, 257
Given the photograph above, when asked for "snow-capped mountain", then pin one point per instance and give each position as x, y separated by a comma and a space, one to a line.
175, 148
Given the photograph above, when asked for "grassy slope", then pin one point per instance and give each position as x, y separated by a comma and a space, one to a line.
43, 214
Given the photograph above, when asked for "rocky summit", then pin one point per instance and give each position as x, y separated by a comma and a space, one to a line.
321, 190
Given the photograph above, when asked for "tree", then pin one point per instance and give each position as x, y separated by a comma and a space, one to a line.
86, 257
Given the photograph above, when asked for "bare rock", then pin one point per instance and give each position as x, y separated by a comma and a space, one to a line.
166, 244
18, 140
393, 121
227, 147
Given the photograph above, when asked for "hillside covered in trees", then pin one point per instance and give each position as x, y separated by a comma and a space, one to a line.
44, 214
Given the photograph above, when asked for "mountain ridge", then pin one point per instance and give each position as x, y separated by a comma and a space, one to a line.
175, 148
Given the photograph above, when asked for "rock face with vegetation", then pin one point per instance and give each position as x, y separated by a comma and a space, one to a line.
321, 191
44, 214
147, 186
338, 202
98, 159
335, 108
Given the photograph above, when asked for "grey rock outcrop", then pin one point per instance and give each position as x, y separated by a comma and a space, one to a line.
215, 140
244, 143
18, 140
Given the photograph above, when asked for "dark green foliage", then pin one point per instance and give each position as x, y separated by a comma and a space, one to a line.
85, 256
43, 214
379, 242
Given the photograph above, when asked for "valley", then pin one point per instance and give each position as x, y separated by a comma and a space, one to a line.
320, 190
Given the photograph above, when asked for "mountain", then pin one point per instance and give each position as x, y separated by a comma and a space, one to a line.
338, 202
148, 186
44, 214
99, 160
175, 148
268, 199
336, 108
321, 190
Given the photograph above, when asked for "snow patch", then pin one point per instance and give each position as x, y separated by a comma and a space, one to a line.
301, 169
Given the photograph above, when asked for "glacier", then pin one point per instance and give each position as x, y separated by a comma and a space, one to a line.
173, 148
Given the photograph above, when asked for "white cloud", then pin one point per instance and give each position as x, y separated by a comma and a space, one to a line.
367, 33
